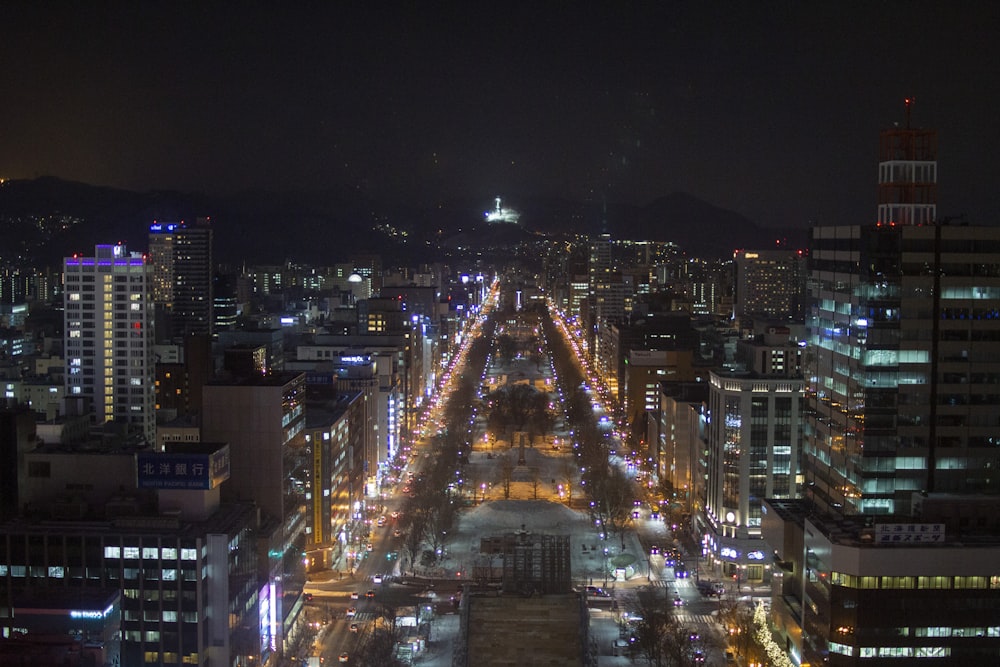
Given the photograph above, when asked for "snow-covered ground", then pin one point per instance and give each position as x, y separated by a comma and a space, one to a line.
534, 505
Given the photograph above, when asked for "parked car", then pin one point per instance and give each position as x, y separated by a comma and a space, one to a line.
597, 591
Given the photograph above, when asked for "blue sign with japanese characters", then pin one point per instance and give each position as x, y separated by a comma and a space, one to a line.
170, 470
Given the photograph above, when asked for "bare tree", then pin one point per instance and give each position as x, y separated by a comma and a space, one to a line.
567, 475
416, 527
656, 636
440, 521
505, 474
737, 618
536, 481
614, 497
377, 646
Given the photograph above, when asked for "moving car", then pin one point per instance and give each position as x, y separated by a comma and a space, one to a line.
352, 612
344, 657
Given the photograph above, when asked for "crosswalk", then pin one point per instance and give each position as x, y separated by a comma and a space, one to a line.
685, 617
360, 617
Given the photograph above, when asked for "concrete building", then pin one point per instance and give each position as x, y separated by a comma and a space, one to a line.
681, 456
146, 532
770, 284
893, 555
108, 329
753, 453
262, 418
181, 257
337, 507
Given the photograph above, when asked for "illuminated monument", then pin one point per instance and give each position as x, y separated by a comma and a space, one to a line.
500, 214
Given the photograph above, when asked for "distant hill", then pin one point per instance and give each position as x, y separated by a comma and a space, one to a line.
697, 227
46, 219
704, 230
252, 226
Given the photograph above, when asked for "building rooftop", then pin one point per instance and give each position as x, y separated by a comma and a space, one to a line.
525, 631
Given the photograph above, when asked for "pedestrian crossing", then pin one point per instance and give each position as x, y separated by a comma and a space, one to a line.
360, 617
685, 617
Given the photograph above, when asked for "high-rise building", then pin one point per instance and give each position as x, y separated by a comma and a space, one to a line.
108, 325
753, 452
893, 555
262, 418
904, 333
770, 284
181, 257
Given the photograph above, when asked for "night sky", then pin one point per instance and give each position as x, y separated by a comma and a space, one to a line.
771, 109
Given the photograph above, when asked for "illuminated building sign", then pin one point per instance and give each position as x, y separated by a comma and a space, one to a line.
908, 533
166, 470
92, 614
729, 552
755, 555
160, 227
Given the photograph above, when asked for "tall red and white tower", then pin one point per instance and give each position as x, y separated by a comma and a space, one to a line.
907, 174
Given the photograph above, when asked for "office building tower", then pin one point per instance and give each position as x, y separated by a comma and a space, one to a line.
181, 256
108, 325
262, 418
226, 306
752, 453
893, 555
770, 284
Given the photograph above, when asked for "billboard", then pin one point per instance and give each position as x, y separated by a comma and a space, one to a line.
187, 470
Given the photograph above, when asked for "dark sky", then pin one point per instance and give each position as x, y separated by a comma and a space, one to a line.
771, 109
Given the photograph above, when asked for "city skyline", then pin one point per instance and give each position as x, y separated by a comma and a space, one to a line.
771, 112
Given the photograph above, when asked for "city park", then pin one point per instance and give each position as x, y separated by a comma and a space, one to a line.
515, 444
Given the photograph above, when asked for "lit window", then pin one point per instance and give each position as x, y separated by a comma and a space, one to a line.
131, 552
112, 552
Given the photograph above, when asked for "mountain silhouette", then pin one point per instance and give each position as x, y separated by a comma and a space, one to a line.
45, 219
